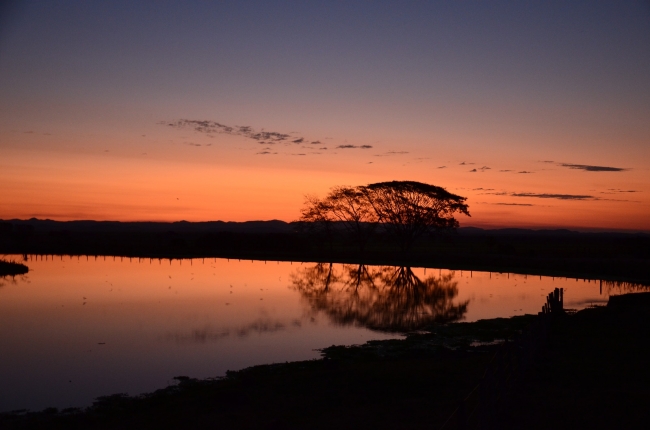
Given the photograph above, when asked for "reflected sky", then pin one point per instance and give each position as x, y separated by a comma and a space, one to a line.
73, 329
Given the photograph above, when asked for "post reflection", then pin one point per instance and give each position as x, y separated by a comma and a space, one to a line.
383, 298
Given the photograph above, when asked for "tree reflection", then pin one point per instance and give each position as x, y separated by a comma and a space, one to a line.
621, 287
384, 298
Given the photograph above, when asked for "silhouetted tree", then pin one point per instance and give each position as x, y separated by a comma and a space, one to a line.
409, 209
316, 218
405, 209
345, 206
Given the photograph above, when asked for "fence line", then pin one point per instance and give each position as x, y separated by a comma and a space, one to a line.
477, 410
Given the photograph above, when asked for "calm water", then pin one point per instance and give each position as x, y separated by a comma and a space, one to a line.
74, 329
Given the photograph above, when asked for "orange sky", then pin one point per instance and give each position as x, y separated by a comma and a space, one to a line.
235, 186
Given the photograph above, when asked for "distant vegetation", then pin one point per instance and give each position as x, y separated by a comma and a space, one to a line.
608, 256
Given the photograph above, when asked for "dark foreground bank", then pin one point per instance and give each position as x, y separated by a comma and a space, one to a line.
12, 268
594, 373
613, 256
591, 373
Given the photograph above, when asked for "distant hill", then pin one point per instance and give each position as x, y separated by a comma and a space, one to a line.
563, 232
515, 231
272, 226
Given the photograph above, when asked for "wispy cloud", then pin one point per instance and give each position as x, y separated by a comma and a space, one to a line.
354, 147
480, 169
525, 171
214, 127
590, 168
390, 153
513, 204
263, 137
555, 196
547, 195
618, 190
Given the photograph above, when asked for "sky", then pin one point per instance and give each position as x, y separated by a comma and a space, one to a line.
537, 112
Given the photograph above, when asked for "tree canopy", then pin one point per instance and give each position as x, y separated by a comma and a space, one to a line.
405, 209
347, 206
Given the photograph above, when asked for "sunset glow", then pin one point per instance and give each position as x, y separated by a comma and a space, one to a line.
537, 113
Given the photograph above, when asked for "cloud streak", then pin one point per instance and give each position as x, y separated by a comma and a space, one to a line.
481, 169
555, 196
214, 127
590, 168
513, 204
389, 153
354, 147
618, 190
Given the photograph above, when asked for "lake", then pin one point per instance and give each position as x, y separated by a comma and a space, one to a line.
75, 328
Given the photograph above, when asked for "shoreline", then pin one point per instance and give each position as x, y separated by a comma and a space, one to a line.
547, 268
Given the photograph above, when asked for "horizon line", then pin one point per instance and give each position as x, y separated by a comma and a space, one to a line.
485, 227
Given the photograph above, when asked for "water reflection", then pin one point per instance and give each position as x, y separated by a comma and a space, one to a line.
260, 326
13, 279
383, 298
616, 287
75, 328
